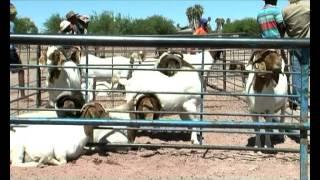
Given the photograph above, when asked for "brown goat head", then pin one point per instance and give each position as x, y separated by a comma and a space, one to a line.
267, 60
92, 110
172, 60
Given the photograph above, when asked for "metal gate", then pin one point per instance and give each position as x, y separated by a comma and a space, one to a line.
223, 84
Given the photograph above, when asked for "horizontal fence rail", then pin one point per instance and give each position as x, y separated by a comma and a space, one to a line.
159, 123
200, 42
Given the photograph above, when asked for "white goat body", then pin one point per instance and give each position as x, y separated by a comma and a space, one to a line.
46, 144
261, 104
36, 145
155, 81
196, 60
106, 74
69, 77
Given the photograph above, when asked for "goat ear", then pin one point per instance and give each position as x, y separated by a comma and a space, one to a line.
123, 81
43, 59
62, 59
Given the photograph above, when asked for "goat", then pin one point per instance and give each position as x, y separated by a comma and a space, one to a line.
38, 145
67, 76
155, 81
266, 83
108, 74
195, 60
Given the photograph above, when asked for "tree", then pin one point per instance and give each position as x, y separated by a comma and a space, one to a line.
25, 25
107, 23
228, 21
194, 14
102, 23
52, 25
220, 23
246, 25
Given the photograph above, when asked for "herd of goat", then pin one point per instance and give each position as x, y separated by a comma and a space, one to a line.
147, 90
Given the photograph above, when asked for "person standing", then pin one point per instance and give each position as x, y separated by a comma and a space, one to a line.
79, 23
297, 21
271, 24
270, 20
202, 28
14, 57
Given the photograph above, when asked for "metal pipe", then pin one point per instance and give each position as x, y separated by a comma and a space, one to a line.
158, 69
38, 97
303, 119
162, 112
160, 123
200, 42
183, 146
202, 130
124, 91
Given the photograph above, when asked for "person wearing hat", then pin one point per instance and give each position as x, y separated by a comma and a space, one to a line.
78, 23
203, 27
296, 18
65, 27
14, 57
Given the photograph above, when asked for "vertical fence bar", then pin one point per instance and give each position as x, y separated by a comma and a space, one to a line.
202, 87
224, 59
87, 74
38, 78
304, 114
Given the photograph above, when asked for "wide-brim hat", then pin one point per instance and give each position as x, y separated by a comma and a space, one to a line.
64, 24
70, 14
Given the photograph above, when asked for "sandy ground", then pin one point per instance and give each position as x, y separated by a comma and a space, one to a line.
175, 163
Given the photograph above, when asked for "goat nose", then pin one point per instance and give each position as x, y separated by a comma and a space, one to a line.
277, 70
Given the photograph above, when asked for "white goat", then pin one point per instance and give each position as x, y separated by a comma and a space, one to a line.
266, 83
107, 74
37, 145
67, 76
155, 81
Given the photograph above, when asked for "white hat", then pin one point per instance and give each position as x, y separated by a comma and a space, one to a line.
64, 24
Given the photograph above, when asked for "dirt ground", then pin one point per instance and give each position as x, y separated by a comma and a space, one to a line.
168, 163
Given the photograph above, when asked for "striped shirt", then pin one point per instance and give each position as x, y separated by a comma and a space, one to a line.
268, 18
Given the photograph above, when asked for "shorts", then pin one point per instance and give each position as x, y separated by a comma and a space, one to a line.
15, 59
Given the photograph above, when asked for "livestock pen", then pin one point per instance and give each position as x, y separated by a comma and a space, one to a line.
224, 88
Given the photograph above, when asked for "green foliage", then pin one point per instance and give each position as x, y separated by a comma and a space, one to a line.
153, 25
101, 24
194, 14
25, 25
52, 25
106, 23
246, 25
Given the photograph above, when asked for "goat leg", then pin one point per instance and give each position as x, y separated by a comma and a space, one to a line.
258, 137
267, 141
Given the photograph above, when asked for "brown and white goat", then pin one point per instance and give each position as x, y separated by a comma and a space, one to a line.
262, 82
67, 76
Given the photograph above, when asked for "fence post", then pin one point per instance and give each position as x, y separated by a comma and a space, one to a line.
38, 97
202, 90
224, 59
87, 74
304, 114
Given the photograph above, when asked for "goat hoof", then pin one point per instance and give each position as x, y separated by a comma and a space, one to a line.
40, 165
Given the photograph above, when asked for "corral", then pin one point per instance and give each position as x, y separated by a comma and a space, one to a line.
226, 127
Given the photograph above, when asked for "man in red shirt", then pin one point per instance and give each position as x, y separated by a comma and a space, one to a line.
202, 28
